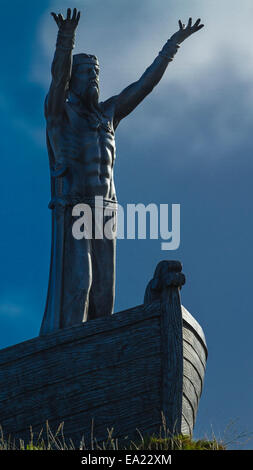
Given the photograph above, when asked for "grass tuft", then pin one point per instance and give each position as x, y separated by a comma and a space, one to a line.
164, 440
50, 441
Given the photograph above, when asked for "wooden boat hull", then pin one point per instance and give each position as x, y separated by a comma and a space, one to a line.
109, 371
122, 372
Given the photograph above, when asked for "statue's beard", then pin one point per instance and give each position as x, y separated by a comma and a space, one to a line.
91, 97
87, 100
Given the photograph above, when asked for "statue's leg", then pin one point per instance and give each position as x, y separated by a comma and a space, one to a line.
51, 318
102, 293
77, 277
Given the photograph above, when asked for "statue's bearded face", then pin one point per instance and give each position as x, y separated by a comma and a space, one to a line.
85, 81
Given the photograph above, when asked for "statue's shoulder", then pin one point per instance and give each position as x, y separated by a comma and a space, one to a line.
108, 106
54, 120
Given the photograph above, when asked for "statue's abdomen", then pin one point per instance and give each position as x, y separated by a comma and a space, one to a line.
89, 157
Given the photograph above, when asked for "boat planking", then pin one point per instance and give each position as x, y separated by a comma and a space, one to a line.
133, 372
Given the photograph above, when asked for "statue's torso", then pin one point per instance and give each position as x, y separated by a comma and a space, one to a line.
87, 151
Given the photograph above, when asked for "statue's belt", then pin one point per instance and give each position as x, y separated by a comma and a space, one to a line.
96, 202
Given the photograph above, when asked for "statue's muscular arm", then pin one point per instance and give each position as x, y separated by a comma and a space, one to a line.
130, 97
62, 63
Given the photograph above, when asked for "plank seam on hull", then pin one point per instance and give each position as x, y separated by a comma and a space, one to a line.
195, 391
187, 422
192, 322
148, 313
146, 307
185, 431
201, 379
191, 355
71, 340
194, 379
191, 328
192, 408
204, 365
76, 377
94, 408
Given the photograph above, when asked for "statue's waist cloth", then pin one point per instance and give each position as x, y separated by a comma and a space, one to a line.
91, 201
82, 269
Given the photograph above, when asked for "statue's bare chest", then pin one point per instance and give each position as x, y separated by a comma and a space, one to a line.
86, 140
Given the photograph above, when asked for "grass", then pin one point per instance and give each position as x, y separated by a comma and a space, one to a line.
164, 440
47, 440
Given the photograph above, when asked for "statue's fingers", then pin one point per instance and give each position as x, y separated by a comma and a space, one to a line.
197, 22
180, 24
55, 17
199, 27
189, 23
78, 16
60, 18
68, 13
74, 14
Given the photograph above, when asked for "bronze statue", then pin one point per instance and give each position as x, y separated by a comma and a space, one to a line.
81, 148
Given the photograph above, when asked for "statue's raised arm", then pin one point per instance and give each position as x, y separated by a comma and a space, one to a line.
62, 62
131, 96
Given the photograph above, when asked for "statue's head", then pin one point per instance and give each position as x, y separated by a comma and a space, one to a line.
85, 77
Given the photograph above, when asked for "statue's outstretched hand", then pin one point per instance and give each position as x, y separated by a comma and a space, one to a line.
186, 31
68, 24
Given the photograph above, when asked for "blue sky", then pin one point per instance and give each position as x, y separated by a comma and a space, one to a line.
190, 143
